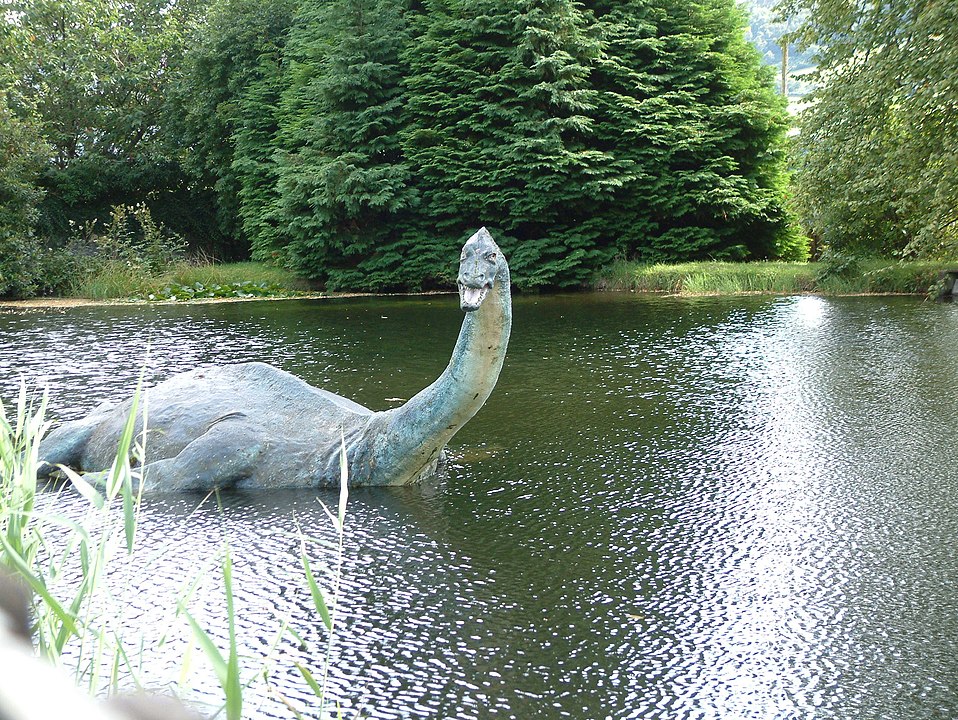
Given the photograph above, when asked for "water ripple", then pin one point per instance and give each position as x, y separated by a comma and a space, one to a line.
669, 508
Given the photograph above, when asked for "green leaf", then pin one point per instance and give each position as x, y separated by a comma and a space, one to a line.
310, 680
209, 649
84, 488
232, 687
319, 602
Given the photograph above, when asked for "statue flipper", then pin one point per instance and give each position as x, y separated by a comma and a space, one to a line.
65, 445
220, 458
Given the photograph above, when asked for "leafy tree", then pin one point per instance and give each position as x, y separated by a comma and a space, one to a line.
93, 71
22, 156
254, 144
343, 180
878, 150
95, 74
727, 179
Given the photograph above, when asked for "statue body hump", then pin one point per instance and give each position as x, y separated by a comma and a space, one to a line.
252, 425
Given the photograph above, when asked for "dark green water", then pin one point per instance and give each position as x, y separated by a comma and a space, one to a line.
669, 508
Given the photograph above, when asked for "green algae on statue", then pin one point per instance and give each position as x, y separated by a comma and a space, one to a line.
252, 425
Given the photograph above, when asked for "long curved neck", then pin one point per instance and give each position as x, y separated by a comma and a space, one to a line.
417, 431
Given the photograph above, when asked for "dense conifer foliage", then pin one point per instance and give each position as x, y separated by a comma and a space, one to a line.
358, 141
224, 109
343, 183
576, 134
697, 131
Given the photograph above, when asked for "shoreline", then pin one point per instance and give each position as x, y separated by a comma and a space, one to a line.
61, 303
54, 303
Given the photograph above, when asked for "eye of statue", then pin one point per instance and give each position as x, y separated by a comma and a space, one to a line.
491, 256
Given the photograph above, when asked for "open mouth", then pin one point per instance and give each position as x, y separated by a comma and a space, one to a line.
470, 298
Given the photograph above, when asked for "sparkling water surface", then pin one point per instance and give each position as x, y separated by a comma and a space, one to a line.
669, 508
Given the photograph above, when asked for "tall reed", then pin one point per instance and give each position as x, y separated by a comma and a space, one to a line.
48, 550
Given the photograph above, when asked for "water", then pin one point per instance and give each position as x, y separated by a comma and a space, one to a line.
669, 508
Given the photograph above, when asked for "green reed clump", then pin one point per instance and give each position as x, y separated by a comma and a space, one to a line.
19, 451
208, 272
65, 611
67, 564
709, 277
761, 277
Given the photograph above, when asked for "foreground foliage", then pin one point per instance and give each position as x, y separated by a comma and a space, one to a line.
75, 570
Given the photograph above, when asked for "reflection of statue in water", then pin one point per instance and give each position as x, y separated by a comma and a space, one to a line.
254, 426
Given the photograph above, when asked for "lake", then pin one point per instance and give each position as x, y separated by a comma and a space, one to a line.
669, 508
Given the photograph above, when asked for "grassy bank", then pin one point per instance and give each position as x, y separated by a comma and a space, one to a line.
847, 277
187, 280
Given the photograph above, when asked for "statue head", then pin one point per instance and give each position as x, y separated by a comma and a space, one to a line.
481, 265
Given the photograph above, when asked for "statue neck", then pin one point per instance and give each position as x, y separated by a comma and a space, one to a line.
417, 432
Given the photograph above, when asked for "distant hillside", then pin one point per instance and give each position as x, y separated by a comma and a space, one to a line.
766, 33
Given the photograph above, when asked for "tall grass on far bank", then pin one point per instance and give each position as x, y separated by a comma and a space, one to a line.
837, 276
186, 280
133, 256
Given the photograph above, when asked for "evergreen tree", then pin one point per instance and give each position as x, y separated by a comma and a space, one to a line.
254, 142
343, 182
500, 132
692, 116
227, 98
635, 126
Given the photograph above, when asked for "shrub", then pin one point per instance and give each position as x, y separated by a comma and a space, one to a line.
132, 238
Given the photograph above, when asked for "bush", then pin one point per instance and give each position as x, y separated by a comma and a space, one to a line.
837, 265
113, 259
18, 254
132, 238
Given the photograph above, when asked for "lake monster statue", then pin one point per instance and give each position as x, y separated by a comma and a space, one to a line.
254, 426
